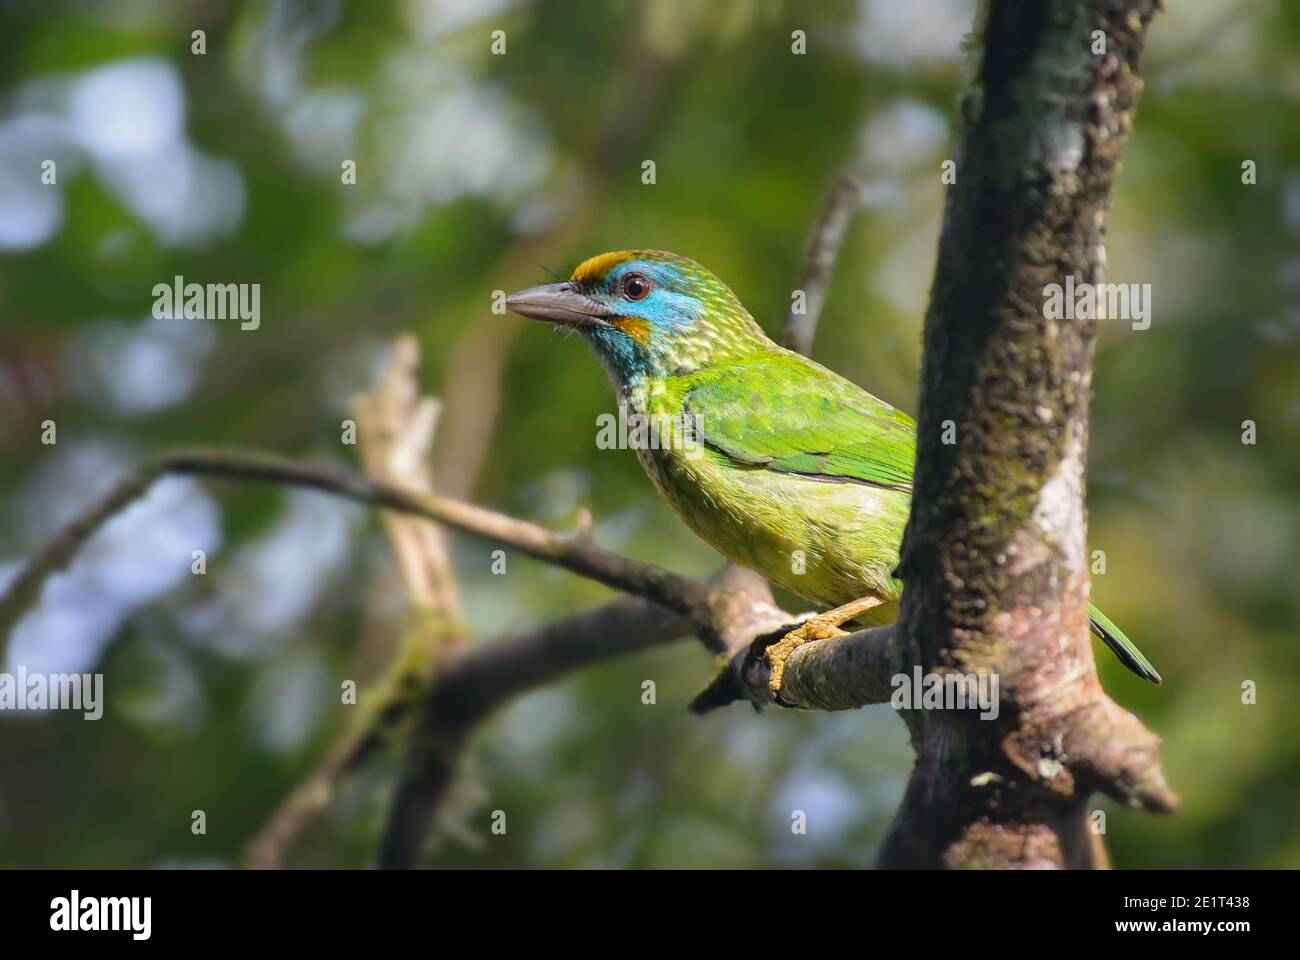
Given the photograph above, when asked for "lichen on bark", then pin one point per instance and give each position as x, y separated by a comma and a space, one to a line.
994, 556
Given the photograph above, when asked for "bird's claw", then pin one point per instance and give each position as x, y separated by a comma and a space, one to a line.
822, 626
776, 654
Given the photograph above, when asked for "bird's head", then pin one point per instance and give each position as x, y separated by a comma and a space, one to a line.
646, 313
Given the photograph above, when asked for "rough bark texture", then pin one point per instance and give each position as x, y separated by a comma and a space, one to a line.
994, 558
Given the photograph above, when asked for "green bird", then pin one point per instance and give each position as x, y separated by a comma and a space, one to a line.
780, 464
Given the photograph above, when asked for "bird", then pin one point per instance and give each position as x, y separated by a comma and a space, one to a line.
777, 462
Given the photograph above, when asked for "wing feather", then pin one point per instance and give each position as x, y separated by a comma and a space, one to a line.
782, 412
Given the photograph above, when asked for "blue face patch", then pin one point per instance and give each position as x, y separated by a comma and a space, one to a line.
668, 306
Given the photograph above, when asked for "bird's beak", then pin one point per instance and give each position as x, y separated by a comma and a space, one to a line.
559, 303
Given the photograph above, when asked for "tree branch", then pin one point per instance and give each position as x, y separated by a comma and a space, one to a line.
840, 673
677, 593
395, 429
842, 201
266, 851
726, 610
471, 686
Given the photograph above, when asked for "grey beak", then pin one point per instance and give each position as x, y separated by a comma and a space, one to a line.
559, 303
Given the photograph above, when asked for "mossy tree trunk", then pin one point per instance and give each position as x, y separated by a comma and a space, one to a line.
994, 559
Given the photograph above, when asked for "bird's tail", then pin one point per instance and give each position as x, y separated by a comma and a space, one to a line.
1124, 648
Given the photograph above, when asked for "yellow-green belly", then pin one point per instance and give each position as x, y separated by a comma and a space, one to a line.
824, 541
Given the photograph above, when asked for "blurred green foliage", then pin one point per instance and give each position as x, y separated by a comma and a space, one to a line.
478, 172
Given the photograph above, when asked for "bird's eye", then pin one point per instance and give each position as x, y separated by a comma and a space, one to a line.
635, 286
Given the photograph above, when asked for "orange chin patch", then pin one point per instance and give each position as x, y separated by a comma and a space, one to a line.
634, 327
593, 268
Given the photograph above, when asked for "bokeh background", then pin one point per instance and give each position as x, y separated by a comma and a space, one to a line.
479, 172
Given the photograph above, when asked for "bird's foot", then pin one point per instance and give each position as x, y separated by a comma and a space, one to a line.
815, 628
823, 626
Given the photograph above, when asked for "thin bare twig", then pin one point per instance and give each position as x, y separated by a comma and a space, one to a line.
395, 429
266, 850
842, 201
677, 593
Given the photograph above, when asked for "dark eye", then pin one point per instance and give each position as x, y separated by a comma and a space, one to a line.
635, 286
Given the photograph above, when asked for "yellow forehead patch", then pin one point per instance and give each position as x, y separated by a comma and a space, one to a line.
594, 268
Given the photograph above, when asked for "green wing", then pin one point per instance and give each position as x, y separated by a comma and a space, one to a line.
782, 412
